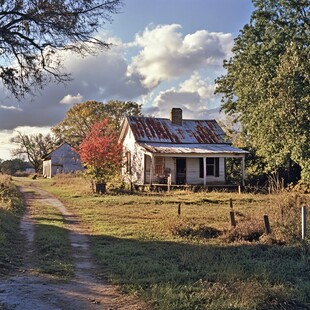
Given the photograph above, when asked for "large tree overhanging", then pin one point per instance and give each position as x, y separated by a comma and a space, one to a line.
267, 83
32, 32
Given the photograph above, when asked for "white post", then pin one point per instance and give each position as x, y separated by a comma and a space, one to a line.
243, 170
151, 169
204, 160
303, 222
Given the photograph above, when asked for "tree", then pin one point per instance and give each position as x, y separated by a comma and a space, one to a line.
33, 32
267, 83
11, 166
80, 118
34, 147
101, 153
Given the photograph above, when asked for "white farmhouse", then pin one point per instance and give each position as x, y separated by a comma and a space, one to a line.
190, 152
63, 159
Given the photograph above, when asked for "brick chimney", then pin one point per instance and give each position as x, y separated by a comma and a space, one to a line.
176, 116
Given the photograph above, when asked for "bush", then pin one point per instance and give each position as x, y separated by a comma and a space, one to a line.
193, 230
288, 218
249, 229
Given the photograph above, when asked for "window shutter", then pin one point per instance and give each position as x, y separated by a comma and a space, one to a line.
217, 167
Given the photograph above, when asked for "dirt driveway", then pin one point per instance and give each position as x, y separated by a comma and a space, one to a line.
28, 290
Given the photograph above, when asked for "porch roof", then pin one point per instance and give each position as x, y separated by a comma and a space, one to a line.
203, 149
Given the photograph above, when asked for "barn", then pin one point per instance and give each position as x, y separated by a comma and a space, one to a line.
187, 151
64, 159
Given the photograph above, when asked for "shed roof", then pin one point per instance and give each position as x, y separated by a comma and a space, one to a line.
162, 130
167, 148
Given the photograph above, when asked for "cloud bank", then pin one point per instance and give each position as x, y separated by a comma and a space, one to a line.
161, 68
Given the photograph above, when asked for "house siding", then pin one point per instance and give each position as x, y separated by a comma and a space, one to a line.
136, 172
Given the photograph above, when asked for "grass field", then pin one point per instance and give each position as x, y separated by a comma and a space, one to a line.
11, 209
195, 260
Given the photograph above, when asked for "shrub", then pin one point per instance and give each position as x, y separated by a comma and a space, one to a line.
193, 230
288, 217
249, 229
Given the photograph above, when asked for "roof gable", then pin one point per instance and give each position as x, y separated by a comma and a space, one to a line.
162, 130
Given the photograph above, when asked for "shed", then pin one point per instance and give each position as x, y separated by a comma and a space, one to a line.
64, 159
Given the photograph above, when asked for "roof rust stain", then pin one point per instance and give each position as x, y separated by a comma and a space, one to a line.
161, 130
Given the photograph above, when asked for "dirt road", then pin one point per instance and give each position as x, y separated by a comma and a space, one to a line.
28, 290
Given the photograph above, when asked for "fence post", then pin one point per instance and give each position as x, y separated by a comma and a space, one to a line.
303, 222
267, 225
179, 209
169, 182
232, 219
231, 203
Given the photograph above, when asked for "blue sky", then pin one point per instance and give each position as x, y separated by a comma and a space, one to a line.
166, 53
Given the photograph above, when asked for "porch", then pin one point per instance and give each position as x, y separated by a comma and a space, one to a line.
195, 188
193, 170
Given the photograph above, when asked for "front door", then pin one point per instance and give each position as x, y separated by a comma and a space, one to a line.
181, 171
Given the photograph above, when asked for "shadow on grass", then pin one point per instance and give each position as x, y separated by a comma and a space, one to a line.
202, 276
11, 241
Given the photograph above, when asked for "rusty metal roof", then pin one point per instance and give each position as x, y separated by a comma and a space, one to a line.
162, 130
167, 148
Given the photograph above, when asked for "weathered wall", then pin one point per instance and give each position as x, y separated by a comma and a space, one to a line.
62, 160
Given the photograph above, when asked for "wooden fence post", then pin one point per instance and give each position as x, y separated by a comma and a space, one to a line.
231, 203
267, 225
232, 219
179, 209
303, 222
169, 182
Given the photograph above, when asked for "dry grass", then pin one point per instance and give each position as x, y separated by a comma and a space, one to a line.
194, 260
11, 208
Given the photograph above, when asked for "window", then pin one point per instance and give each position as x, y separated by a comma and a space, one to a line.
159, 165
212, 166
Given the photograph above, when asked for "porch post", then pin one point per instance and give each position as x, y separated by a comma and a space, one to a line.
243, 169
204, 160
151, 168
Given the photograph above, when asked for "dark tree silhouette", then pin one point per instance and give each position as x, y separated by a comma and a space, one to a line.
34, 32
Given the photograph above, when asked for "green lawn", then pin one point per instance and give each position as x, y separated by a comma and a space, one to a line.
187, 261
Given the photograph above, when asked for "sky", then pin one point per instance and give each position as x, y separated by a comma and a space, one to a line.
165, 53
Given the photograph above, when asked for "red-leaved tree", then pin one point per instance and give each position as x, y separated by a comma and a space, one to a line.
101, 153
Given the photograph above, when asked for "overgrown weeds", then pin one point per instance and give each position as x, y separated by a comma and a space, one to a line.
249, 229
189, 229
11, 209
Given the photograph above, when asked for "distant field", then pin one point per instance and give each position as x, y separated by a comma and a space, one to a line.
195, 260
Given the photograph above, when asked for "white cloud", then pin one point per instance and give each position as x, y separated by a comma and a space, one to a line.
11, 107
69, 99
195, 96
146, 70
166, 54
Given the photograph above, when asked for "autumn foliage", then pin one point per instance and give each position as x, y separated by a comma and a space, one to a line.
100, 152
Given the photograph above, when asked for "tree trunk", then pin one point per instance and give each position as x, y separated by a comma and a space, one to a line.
100, 188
